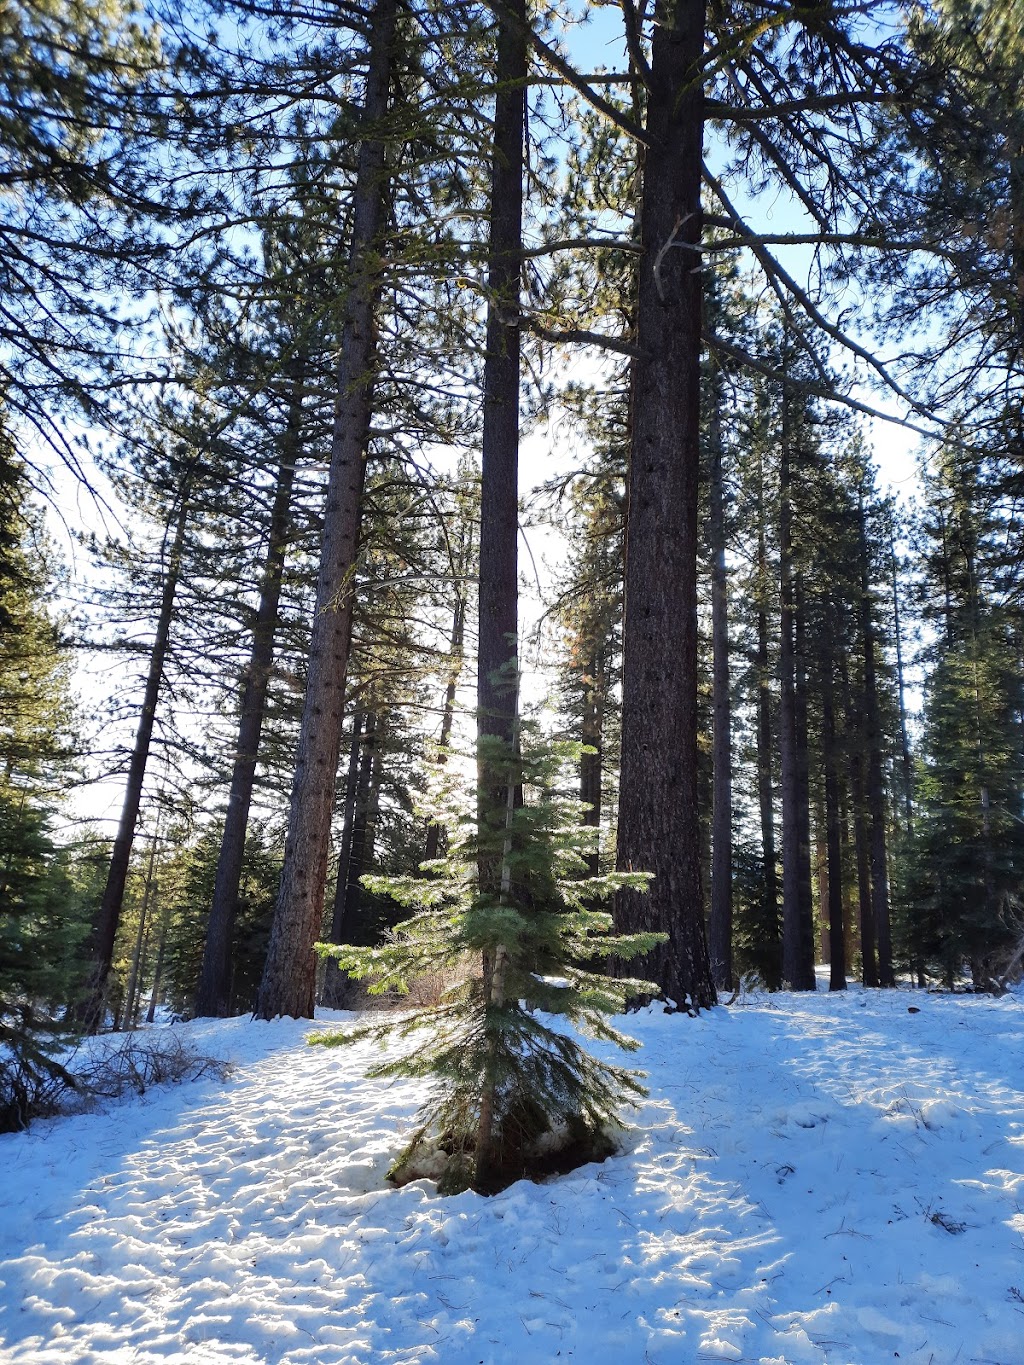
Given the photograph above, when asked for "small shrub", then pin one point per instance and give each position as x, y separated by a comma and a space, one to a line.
34, 1085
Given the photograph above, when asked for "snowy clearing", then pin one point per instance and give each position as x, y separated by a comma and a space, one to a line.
813, 1179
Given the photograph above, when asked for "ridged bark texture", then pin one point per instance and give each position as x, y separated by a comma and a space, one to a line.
592, 737
833, 840
433, 842
658, 829
497, 680
499, 493
765, 776
720, 918
336, 983
876, 786
797, 925
862, 849
289, 978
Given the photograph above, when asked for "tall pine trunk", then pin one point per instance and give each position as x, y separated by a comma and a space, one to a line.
658, 825
862, 845
212, 996
128, 1011
797, 929
833, 838
595, 685
765, 784
288, 986
908, 773
335, 987
497, 676
803, 773
158, 971
348, 891
90, 1012
499, 493
458, 637
875, 784
720, 919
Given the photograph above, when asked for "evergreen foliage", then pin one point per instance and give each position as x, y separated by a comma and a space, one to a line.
40, 909
964, 876
508, 1084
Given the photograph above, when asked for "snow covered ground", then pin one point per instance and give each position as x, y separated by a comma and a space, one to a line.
813, 1179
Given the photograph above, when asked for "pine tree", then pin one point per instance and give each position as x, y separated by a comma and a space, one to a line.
41, 912
80, 108
963, 879
175, 480
511, 1094
289, 975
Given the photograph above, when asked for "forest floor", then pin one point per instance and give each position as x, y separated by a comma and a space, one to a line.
812, 1179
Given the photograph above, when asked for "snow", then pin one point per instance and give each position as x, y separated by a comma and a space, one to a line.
812, 1179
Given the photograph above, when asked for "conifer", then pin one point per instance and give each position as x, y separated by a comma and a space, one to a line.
510, 1090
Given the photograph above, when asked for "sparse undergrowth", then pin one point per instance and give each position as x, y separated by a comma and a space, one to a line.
35, 1086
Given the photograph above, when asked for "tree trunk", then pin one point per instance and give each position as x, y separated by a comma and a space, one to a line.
289, 977
833, 841
720, 919
433, 842
765, 786
90, 1012
497, 667
161, 953
803, 772
862, 848
335, 984
875, 783
212, 997
797, 931
128, 1012
349, 892
499, 494
908, 773
869, 960
658, 826
592, 737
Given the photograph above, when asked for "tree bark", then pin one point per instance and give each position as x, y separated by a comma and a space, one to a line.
335, 985
497, 666
876, 786
803, 773
212, 997
433, 842
908, 772
862, 849
720, 919
592, 737
158, 972
90, 1012
349, 891
658, 827
765, 785
288, 986
797, 930
833, 840
499, 493
128, 1011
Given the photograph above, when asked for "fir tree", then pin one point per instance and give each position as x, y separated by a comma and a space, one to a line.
507, 1084
40, 913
